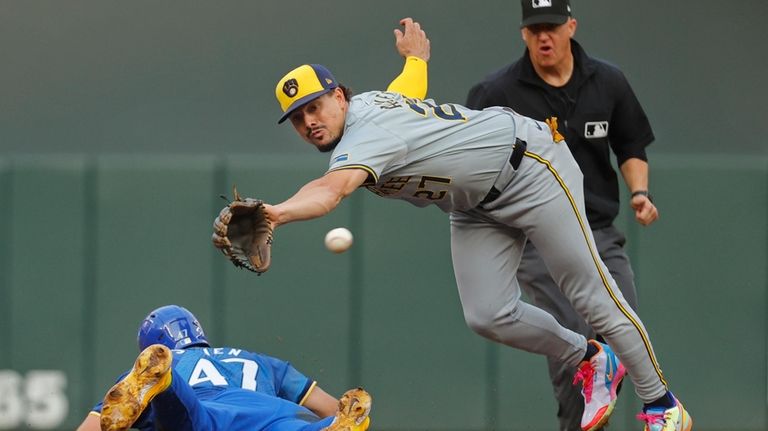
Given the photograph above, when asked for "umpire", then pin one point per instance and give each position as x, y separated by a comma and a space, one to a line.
598, 113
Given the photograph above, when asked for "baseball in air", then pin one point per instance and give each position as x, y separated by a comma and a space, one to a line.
338, 240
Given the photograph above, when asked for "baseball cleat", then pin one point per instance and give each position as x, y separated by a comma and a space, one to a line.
126, 400
354, 407
599, 377
660, 419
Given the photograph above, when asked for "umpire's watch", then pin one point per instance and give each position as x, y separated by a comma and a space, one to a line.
642, 193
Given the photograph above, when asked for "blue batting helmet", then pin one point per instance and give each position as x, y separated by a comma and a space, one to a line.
172, 326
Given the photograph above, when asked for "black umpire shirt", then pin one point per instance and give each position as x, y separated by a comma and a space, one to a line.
596, 111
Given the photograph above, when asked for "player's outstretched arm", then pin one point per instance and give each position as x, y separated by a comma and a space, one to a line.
321, 403
318, 197
90, 423
412, 43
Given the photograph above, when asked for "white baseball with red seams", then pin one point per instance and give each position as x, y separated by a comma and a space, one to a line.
338, 240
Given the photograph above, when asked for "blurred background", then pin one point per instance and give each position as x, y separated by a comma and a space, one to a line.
122, 122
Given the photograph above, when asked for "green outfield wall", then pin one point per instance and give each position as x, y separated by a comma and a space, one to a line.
88, 245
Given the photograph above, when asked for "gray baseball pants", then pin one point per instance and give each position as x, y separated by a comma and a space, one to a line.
543, 201
544, 293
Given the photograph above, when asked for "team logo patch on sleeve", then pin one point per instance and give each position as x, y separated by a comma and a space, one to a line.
340, 158
596, 129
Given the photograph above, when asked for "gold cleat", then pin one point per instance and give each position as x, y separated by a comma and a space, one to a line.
354, 407
126, 400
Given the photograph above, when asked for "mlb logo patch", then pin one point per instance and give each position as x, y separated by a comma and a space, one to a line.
542, 3
596, 129
340, 158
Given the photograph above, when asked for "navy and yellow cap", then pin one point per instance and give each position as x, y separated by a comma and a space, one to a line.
302, 85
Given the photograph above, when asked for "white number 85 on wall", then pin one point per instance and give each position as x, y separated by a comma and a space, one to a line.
37, 401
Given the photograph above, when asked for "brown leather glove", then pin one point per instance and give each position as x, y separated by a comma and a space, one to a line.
243, 232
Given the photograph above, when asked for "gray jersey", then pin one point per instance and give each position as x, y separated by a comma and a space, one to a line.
422, 152
452, 156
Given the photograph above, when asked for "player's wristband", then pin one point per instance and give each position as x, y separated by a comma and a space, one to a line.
642, 193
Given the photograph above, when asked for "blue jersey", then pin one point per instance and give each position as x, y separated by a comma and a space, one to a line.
210, 371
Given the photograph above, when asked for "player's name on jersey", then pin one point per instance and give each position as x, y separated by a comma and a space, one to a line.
216, 351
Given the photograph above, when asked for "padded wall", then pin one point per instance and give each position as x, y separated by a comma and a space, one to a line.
89, 245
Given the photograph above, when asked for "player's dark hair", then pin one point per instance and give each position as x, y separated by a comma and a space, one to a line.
348, 93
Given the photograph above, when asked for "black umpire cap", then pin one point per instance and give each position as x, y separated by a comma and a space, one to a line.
545, 12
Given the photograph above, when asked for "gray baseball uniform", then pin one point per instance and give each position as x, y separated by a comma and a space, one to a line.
451, 156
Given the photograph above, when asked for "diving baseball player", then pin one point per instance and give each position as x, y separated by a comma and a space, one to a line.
180, 382
504, 179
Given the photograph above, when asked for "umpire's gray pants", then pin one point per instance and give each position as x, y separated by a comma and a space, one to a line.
543, 291
544, 201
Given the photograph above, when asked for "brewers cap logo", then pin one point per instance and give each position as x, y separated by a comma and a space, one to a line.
542, 3
291, 87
